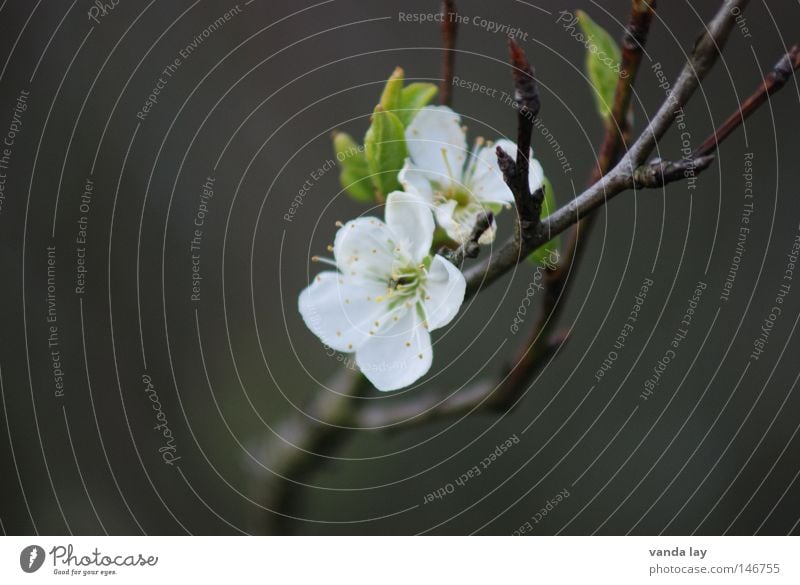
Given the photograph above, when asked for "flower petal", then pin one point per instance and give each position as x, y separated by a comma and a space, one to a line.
488, 236
437, 144
416, 181
445, 217
364, 250
444, 292
535, 175
410, 221
486, 182
535, 171
397, 356
340, 312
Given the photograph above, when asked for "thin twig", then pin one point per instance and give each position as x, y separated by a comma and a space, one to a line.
300, 443
306, 434
516, 171
540, 342
471, 247
620, 177
776, 79
449, 34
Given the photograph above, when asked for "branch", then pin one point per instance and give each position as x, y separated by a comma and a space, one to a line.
449, 34
471, 247
703, 57
617, 131
516, 172
617, 125
620, 177
505, 393
292, 457
776, 79
299, 442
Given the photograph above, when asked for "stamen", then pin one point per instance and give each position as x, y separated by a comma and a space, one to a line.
323, 260
447, 165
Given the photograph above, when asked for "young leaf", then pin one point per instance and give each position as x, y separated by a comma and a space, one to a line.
414, 97
385, 145
391, 98
546, 254
354, 175
602, 62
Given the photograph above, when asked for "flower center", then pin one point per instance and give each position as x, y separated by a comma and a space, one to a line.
459, 194
407, 281
454, 191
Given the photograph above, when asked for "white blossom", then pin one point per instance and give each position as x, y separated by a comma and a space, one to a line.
458, 189
387, 294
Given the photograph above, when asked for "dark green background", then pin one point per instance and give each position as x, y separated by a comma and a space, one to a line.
275, 89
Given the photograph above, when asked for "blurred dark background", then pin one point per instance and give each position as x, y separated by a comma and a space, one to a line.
252, 106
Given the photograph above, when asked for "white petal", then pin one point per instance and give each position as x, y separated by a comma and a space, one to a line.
364, 250
536, 175
397, 356
458, 221
437, 144
444, 292
445, 217
410, 220
486, 182
416, 181
535, 171
341, 313
488, 236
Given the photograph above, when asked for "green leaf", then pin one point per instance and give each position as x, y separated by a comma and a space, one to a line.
546, 254
354, 175
385, 145
391, 98
414, 97
602, 62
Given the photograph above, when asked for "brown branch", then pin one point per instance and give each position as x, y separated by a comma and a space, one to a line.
774, 81
516, 171
300, 443
471, 247
539, 344
703, 57
504, 394
449, 34
301, 435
